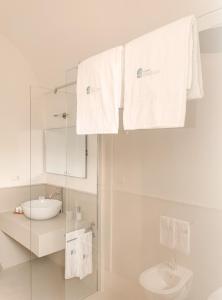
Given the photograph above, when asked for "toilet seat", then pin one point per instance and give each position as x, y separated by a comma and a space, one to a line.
216, 295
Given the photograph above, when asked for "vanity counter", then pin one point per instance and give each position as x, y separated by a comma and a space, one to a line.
40, 237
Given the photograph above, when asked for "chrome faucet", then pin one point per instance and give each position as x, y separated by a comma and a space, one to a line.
172, 264
56, 193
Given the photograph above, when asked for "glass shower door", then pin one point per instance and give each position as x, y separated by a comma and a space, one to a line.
64, 167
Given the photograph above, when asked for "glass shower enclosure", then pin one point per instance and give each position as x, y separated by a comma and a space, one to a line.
64, 214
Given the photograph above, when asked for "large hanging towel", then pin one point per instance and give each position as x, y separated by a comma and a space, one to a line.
162, 71
99, 91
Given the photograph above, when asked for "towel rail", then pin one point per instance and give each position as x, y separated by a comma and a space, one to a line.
73, 83
91, 228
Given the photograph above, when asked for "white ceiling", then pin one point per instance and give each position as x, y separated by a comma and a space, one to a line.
54, 35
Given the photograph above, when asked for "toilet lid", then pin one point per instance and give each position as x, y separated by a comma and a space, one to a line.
216, 295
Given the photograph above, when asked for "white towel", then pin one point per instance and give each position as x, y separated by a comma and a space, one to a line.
167, 232
73, 254
162, 70
99, 92
182, 236
78, 254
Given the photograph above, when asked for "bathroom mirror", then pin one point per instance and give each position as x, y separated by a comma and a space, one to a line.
60, 161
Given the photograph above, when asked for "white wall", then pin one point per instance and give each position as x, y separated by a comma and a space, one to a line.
16, 78
183, 165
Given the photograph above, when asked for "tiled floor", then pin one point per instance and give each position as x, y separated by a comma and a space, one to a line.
119, 288
42, 279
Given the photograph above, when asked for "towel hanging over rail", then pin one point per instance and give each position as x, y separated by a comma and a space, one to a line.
78, 254
162, 71
99, 91
207, 20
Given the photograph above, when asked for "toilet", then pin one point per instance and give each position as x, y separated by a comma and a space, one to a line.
163, 282
216, 295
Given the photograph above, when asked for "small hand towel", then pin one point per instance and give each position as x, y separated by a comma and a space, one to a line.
167, 232
182, 236
162, 70
99, 92
73, 254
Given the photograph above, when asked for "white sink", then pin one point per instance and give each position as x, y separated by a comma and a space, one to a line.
43, 209
216, 295
165, 283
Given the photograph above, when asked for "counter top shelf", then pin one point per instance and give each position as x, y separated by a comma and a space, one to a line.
40, 237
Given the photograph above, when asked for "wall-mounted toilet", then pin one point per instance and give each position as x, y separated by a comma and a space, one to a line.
216, 295
163, 282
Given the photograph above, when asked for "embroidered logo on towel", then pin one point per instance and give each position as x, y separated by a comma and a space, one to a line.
142, 73
90, 90
139, 73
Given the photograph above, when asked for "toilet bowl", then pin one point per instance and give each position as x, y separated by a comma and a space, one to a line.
163, 282
216, 295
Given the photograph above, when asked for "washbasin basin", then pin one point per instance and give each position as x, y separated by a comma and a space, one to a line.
217, 295
164, 282
43, 209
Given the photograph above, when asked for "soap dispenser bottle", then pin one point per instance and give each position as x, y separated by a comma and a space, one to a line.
78, 220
